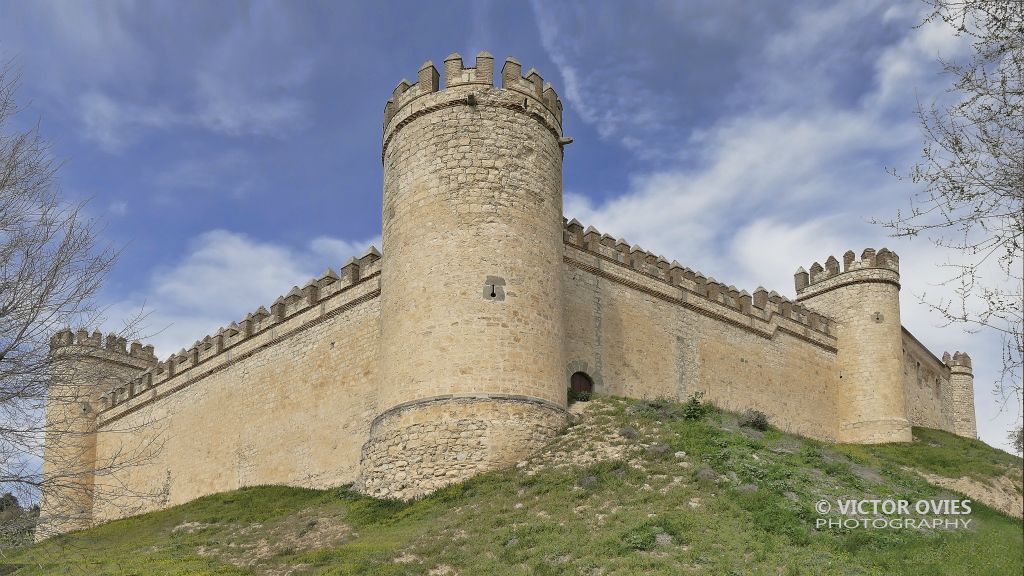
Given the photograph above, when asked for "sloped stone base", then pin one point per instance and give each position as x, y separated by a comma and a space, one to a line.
421, 446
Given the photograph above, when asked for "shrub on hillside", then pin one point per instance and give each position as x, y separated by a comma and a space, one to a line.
579, 396
695, 408
639, 538
17, 524
660, 408
754, 419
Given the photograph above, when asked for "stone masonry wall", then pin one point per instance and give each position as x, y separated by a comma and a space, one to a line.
295, 403
926, 382
641, 337
418, 448
290, 405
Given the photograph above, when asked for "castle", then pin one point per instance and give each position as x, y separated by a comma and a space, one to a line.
452, 352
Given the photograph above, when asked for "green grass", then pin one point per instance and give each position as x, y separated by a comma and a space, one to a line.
941, 453
739, 502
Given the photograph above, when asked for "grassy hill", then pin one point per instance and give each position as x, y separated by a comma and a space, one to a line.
633, 487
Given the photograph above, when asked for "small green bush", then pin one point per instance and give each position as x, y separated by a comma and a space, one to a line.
581, 396
754, 419
695, 408
660, 408
639, 538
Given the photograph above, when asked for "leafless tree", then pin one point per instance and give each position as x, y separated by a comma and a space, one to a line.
971, 178
51, 266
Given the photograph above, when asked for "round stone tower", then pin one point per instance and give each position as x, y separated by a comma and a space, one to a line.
81, 367
961, 393
864, 299
471, 361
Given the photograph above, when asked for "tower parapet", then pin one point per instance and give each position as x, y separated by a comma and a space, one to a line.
406, 98
113, 345
881, 266
473, 87
471, 315
961, 397
863, 298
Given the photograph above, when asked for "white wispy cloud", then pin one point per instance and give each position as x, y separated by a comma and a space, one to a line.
114, 125
118, 208
787, 166
249, 80
224, 110
218, 108
220, 278
610, 95
229, 171
241, 76
336, 250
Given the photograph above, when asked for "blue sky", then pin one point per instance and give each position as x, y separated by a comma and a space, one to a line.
233, 149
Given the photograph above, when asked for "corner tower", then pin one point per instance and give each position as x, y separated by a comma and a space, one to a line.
961, 394
82, 367
471, 356
863, 298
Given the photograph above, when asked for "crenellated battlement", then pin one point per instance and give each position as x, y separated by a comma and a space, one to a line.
113, 343
884, 259
762, 304
456, 74
959, 361
296, 301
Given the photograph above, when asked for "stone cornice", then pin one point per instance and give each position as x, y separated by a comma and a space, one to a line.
482, 396
465, 96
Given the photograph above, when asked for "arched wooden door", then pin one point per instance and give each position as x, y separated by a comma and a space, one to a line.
580, 382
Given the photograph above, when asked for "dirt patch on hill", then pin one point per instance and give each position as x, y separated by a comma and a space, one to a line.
591, 439
1002, 493
252, 545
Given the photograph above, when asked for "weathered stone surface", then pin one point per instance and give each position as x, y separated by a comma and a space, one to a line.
414, 451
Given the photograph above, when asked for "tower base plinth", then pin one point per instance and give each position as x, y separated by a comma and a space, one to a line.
418, 447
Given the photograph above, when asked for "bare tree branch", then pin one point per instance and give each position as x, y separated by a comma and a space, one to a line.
971, 178
51, 268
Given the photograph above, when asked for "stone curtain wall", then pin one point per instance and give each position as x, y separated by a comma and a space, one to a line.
289, 406
926, 382
296, 404
642, 337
